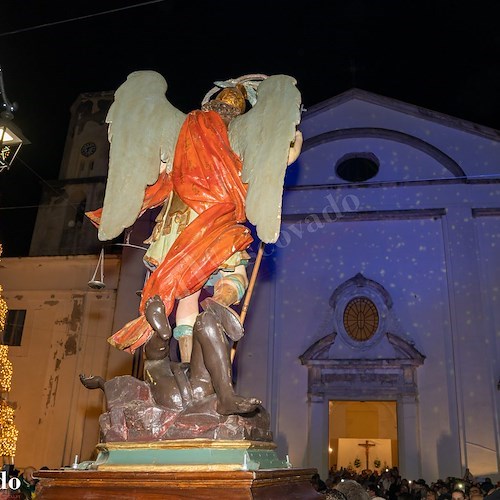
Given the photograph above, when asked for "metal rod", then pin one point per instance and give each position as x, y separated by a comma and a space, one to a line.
130, 245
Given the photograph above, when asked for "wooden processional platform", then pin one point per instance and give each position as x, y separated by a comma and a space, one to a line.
178, 469
269, 484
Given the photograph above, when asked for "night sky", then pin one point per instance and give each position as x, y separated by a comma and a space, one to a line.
438, 54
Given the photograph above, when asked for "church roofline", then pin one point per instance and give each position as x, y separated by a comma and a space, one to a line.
403, 107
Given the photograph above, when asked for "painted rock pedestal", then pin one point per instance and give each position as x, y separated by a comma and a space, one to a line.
194, 453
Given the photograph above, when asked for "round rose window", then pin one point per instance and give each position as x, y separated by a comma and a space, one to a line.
361, 319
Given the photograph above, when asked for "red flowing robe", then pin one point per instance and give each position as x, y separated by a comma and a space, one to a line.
206, 176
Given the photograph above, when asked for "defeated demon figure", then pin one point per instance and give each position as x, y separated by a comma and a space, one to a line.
176, 385
163, 405
210, 368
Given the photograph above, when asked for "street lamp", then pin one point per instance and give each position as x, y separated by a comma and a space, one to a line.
11, 137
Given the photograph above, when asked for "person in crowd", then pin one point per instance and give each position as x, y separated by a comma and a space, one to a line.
458, 494
374, 491
318, 483
430, 495
476, 496
443, 490
28, 483
487, 486
352, 490
332, 480
475, 493
493, 494
334, 494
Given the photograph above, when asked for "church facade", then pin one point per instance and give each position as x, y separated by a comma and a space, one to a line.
373, 335
375, 318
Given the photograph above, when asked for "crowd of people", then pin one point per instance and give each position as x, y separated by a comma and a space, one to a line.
389, 485
341, 485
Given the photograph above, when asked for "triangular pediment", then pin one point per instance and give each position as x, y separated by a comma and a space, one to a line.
333, 376
359, 95
406, 142
322, 352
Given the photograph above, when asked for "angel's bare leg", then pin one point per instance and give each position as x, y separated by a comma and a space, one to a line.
211, 367
228, 290
185, 316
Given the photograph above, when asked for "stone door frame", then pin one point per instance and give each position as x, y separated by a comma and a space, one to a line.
363, 380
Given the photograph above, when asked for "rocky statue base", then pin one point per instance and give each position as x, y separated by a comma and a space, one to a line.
134, 416
152, 451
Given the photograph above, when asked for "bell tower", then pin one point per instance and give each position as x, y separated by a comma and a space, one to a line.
61, 226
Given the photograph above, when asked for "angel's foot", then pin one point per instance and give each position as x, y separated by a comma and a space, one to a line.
226, 317
155, 314
92, 382
234, 404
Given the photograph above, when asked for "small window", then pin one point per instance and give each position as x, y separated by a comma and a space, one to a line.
357, 167
14, 326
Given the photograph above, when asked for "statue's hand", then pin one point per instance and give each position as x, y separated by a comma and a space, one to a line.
295, 148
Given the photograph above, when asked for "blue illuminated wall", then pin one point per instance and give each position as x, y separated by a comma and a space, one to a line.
426, 228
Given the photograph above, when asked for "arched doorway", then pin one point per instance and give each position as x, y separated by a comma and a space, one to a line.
362, 361
362, 435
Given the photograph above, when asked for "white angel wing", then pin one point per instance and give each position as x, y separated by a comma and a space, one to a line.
262, 138
143, 131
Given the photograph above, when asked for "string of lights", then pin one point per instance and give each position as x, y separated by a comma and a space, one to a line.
8, 430
5, 369
88, 16
43, 181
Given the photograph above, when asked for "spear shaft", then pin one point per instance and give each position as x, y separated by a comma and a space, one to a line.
251, 284
249, 293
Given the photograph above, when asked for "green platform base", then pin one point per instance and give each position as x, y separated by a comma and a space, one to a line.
188, 455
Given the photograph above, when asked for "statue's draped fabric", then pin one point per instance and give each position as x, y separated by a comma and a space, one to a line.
206, 176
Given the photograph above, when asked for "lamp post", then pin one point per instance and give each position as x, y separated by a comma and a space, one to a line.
11, 137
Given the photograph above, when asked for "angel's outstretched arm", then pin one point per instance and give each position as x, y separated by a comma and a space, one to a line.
296, 147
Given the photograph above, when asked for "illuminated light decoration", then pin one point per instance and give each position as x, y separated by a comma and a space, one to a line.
10, 142
8, 431
3, 304
5, 369
4, 154
3, 307
11, 137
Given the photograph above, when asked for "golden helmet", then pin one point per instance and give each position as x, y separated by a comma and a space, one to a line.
234, 96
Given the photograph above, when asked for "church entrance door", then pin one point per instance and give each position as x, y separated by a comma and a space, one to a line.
363, 435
